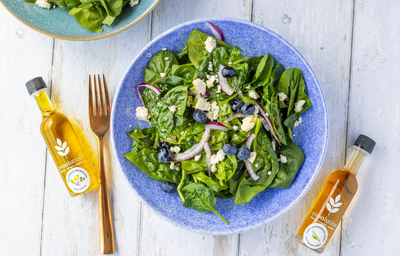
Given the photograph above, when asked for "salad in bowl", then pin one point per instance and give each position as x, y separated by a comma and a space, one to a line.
221, 123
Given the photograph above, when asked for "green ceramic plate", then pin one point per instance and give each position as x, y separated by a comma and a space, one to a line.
59, 24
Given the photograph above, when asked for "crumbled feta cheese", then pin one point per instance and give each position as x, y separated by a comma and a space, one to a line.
199, 85
43, 4
248, 87
235, 127
230, 63
219, 89
202, 104
297, 122
175, 149
215, 159
254, 95
174, 167
172, 138
182, 133
213, 168
142, 113
164, 49
269, 172
283, 159
163, 74
248, 123
166, 58
282, 96
298, 106
133, 2
172, 108
256, 110
197, 158
211, 44
213, 114
256, 165
210, 66
189, 101
211, 80
274, 144
252, 157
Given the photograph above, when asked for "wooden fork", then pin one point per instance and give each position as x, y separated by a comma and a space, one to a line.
99, 115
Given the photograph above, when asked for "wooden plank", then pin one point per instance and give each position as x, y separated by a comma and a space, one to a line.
24, 54
71, 224
158, 236
371, 227
321, 31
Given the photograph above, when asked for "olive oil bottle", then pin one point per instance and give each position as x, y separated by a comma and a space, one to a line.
333, 200
77, 172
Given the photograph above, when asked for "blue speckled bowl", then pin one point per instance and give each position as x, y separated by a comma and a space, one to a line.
310, 136
59, 24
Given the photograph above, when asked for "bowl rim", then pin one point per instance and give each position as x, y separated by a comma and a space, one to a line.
85, 38
253, 225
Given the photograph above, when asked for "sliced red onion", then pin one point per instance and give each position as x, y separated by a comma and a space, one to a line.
250, 170
236, 115
149, 86
216, 31
225, 86
196, 149
266, 121
206, 95
216, 126
236, 87
249, 141
207, 149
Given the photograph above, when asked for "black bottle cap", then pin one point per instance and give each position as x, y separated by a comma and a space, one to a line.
365, 143
35, 85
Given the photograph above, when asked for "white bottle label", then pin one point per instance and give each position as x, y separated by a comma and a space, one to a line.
78, 179
315, 235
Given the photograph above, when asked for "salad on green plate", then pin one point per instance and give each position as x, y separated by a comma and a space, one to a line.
221, 124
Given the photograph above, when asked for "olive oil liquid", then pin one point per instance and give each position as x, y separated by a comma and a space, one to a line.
332, 202
76, 166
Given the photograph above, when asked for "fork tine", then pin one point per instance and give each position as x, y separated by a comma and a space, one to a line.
96, 97
101, 95
107, 95
90, 96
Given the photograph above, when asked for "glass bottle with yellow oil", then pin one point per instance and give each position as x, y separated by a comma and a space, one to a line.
77, 172
333, 200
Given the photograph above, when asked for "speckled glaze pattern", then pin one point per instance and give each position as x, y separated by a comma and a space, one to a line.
59, 24
310, 136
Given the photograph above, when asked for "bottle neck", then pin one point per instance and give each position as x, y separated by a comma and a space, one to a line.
356, 159
44, 103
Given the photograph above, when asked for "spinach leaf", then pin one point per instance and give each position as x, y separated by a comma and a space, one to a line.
185, 71
225, 111
235, 57
64, 4
226, 168
218, 139
287, 171
233, 182
241, 74
197, 49
263, 70
191, 166
201, 198
266, 166
183, 57
177, 97
90, 16
210, 182
239, 137
219, 56
162, 62
169, 82
145, 157
150, 76
292, 84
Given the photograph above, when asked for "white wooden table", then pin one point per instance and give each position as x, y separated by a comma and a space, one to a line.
354, 49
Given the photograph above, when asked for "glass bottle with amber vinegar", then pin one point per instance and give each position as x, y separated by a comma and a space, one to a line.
73, 162
333, 200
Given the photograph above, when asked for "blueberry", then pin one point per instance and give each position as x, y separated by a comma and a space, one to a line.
165, 155
200, 116
228, 72
168, 187
236, 104
230, 149
163, 144
248, 109
244, 153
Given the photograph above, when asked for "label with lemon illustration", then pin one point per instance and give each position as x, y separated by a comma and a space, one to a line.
78, 179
